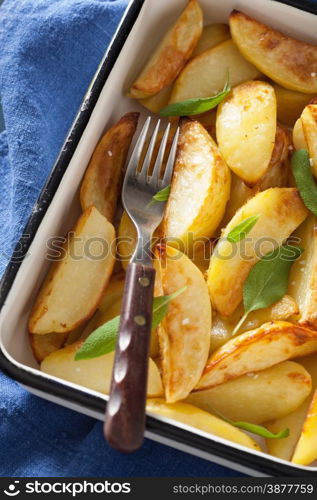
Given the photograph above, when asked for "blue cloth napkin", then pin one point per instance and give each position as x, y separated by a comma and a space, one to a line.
50, 50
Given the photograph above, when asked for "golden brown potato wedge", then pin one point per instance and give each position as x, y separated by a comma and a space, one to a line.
290, 104
240, 193
212, 35
299, 139
127, 237
303, 275
306, 449
184, 334
92, 373
309, 124
102, 180
200, 188
172, 53
257, 397
281, 210
194, 417
246, 128
206, 75
113, 291
222, 328
74, 285
43, 345
257, 350
273, 53
158, 101
278, 170
284, 448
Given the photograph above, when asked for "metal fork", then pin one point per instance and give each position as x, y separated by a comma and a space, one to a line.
125, 416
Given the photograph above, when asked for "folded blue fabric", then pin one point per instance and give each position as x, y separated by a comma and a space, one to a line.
50, 51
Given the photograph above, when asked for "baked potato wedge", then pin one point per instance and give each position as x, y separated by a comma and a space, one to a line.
114, 291
290, 104
43, 345
246, 128
92, 373
306, 448
102, 181
127, 237
273, 53
158, 101
257, 350
212, 35
206, 75
184, 333
303, 278
299, 139
284, 448
281, 210
200, 188
75, 284
309, 124
257, 397
222, 328
194, 417
172, 53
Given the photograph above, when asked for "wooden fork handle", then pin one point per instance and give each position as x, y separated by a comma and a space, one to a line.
125, 417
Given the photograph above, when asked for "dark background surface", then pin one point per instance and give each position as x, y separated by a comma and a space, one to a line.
1, 115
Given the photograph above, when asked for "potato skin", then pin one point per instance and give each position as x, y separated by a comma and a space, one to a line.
171, 55
257, 350
43, 345
287, 61
102, 180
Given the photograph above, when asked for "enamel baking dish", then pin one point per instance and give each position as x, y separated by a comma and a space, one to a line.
145, 21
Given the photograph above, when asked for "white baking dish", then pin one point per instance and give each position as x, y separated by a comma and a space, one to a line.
58, 208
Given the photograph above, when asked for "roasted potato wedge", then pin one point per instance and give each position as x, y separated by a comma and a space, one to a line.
246, 128
92, 373
284, 448
127, 237
257, 350
43, 345
158, 101
290, 104
74, 286
306, 448
200, 188
299, 139
309, 124
102, 180
281, 210
172, 53
303, 278
257, 397
278, 171
184, 333
113, 291
194, 417
273, 53
240, 193
206, 75
212, 35
222, 328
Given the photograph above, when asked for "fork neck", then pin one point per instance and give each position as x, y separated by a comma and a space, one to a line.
142, 253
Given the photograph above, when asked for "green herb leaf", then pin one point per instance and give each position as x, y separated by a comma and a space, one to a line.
161, 195
304, 179
239, 232
259, 430
197, 105
268, 280
103, 340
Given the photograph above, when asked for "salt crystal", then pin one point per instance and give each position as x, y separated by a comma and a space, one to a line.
109, 153
311, 161
313, 74
185, 321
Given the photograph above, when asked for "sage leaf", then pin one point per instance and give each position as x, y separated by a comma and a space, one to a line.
304, 179
259, 430
196, 106
268, 280
239, 232
161, 195
103, 340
